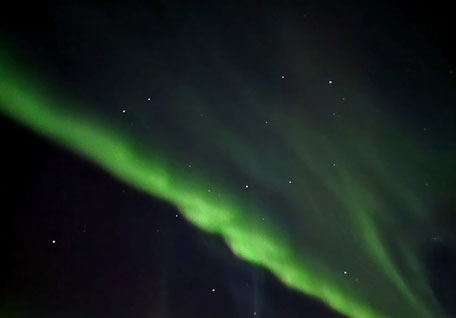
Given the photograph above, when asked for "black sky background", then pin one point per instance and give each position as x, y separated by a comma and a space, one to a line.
120, 253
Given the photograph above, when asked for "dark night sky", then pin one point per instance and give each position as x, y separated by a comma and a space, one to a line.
78, 242
118, 252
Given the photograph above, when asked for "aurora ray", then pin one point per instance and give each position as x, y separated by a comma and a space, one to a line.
354, 175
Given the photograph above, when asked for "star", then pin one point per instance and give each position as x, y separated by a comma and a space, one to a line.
330, 82
213, 290
148, 98
124, 111
289, 181
53, 241
345, 272
283, 76
246, 186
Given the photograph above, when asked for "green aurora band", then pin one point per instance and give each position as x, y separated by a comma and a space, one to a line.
384, 276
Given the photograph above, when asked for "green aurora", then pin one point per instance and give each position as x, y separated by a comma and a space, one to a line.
323, 207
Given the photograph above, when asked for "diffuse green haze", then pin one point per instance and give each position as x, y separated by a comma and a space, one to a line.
346, 224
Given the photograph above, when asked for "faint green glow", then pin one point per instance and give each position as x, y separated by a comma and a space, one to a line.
313, 269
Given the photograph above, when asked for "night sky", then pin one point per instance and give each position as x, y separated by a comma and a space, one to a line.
228, 159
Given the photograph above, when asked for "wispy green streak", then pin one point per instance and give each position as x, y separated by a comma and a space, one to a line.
156, 172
